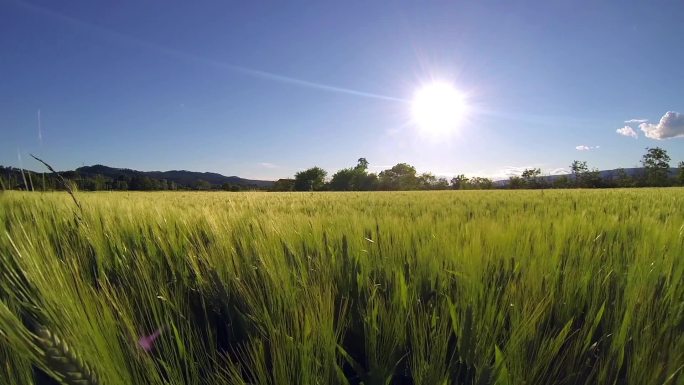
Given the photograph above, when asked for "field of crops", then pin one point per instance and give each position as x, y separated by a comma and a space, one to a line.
481, 287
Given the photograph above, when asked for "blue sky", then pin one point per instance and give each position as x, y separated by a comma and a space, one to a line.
264, 89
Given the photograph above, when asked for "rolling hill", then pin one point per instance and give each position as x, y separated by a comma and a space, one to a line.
181, 177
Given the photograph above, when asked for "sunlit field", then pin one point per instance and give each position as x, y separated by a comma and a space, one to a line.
481, 287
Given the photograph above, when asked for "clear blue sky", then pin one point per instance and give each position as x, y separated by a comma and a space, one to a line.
263, 89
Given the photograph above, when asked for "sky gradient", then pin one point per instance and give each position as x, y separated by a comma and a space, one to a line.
262, 90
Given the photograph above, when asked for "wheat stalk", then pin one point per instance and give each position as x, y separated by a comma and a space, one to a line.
65, 183
64, 361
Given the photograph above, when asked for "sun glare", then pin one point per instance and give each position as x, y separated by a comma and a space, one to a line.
438, 108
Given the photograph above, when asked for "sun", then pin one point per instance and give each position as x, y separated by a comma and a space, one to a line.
438, 108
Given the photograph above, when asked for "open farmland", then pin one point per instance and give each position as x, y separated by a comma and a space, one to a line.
481, 287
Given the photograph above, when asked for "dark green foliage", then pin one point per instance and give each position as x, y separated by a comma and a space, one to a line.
354, 179
530, 177
312, 179
622, 179
283, 185
515, 182
344, 180
656, 162
479, 183
202, 185
562, 181
583, 177
459, 182
402, 176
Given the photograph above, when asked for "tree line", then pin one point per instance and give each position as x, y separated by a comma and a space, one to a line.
656, 172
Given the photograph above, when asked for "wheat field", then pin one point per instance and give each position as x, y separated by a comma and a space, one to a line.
454, 287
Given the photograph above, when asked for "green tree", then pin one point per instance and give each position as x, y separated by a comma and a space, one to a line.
99, 182
362, 180
592, 179
516, 182
680, 174
583, 177
561, 181
441, 184
120, 184
459, 182
427, 181
283, 185
157, 184
401, 176
344, 180
530, 177
140, 183
354, 179
622, 179
367, 182
312, 179
362, 164
201, 184
578, 169
656, 162
479, 183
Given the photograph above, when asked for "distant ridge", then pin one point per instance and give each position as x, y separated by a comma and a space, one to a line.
603, 174
181, 177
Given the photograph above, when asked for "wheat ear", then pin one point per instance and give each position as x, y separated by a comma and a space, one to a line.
64, 361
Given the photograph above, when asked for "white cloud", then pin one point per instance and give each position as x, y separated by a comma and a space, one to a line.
513, 171
507, 172
671, 125
627, 131
586, 148
636, 121
268, 165
559, 171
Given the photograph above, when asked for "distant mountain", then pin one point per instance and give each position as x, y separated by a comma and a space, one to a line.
180, 177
